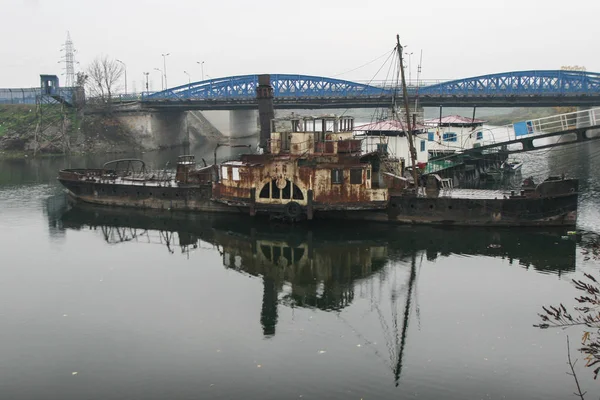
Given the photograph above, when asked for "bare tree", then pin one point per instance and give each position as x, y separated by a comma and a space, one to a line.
103, 76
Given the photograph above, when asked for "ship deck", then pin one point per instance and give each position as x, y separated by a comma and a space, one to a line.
475, 194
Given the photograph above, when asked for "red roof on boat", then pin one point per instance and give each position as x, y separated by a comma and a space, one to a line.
454, 120
389, 125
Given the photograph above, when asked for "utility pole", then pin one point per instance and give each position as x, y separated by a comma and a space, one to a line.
409, 67
147, 73
125, 67
69, 59
164, 56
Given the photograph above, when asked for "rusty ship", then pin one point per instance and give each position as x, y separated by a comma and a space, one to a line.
315, 168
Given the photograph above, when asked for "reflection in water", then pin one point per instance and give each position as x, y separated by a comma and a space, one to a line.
320, 266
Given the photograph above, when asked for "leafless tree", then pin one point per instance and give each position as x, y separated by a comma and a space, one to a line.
585, 315
103, 75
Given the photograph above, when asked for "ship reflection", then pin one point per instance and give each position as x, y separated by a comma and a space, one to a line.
320, 266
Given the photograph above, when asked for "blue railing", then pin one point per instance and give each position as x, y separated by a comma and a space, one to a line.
284, 86
519, 83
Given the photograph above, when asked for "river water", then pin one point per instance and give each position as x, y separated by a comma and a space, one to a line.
108, 304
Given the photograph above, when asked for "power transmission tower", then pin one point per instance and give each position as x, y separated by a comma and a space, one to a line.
69, 59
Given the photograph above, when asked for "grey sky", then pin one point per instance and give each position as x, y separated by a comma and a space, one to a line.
459, 38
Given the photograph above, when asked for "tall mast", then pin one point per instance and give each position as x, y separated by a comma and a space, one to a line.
409, 129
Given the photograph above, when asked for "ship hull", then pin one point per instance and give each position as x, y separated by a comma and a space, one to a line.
559, 210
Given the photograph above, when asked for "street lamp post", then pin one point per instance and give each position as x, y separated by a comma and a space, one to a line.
201, 67
189, 78
162, 85
125, 67
164, 56
409, 70
147, 73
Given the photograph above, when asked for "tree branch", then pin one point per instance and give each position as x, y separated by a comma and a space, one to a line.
572, 365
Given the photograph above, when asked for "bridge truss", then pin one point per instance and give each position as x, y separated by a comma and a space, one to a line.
539, 83
284, 86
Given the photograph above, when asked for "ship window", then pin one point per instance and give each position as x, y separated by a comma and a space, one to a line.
422, 145
265, 191
286, 193
430, 136
368, 174
356, 176
479, 135
337, 176
224, 174
449, 137
297, 194
235, 173
275, 192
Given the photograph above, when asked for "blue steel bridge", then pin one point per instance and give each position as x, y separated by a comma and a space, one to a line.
521, 88
539, 88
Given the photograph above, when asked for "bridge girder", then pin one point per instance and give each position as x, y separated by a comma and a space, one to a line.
508, 89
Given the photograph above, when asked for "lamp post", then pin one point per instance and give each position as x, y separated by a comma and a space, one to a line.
147, 73
164, 56
125, 67
189, 78
162, 85
409, 70
201, 67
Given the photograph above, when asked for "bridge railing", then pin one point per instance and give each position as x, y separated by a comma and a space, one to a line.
29, 95
19, 96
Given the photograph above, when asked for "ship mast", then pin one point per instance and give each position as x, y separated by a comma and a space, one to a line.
409, 129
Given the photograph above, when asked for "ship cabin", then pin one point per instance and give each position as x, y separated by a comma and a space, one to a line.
310, 164
453, 133
393, 134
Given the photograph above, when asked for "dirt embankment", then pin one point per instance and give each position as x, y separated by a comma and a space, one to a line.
25, 129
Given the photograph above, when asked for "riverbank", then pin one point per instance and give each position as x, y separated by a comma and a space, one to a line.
51, 129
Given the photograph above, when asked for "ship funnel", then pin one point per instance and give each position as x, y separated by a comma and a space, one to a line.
266, 112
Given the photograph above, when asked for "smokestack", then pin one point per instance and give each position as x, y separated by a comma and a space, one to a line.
266, 112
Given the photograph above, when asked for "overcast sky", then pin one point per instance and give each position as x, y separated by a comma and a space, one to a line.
459, 38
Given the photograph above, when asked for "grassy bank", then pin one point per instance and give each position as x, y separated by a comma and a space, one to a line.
90, 134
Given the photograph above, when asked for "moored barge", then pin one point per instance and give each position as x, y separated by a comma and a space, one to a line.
314, 168
317, 170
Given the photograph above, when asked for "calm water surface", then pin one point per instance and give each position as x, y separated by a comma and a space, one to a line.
100, 303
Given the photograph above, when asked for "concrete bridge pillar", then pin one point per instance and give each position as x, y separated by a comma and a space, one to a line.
156, 130
243, 123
